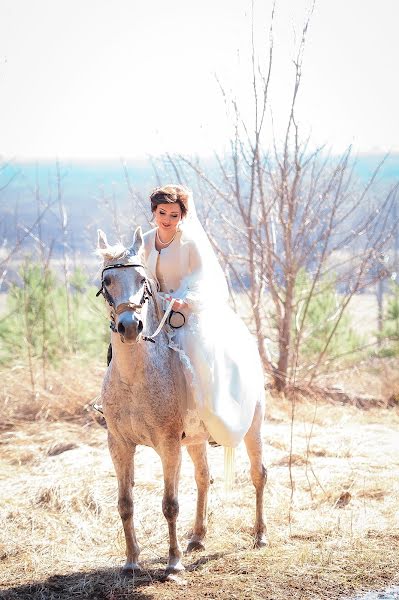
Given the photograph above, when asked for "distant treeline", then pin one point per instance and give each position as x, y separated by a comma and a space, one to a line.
96, 194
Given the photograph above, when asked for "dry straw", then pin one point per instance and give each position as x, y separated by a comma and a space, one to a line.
61, 535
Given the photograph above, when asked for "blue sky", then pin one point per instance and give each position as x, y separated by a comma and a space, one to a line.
110, 78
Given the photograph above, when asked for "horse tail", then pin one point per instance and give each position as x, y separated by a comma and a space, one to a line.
229, 468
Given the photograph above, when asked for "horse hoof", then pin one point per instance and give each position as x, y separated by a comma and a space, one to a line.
174, 569
260, 542
130, 569
195, 546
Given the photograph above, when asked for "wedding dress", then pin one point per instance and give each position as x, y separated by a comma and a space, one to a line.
218, 355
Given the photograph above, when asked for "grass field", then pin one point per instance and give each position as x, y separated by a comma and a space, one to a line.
333, 530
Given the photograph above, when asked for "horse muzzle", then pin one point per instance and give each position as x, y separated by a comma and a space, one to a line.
128, 326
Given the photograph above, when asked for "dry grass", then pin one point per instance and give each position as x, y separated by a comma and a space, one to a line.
61, 536
64, 391
376, 377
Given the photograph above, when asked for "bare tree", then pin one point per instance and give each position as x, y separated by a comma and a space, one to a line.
280, 211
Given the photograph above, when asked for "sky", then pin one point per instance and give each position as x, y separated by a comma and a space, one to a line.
131, 78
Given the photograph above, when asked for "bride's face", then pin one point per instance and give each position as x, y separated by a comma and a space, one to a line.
167, 217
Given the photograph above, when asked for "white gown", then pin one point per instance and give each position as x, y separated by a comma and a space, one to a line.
218, 354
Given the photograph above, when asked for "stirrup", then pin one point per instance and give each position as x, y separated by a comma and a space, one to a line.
213, 443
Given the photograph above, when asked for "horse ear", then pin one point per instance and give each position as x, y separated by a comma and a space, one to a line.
101, 239
137, 242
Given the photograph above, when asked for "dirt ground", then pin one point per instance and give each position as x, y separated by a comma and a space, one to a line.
333, 529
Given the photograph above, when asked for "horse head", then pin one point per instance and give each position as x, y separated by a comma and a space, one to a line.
124, 285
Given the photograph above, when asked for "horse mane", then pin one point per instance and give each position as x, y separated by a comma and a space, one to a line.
112, 252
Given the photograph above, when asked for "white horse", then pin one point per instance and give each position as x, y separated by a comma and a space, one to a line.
142, 398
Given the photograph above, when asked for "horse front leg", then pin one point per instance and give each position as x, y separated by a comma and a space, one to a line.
122, 456
253, 442
198, 455
170, 454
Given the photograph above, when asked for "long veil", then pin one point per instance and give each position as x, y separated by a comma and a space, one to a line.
209, 281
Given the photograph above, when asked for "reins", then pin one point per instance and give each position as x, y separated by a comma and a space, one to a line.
161, 323
136, 308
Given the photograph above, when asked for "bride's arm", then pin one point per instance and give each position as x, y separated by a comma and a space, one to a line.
193, 290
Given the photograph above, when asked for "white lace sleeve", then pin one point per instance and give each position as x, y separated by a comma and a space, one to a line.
191, 289
192, 282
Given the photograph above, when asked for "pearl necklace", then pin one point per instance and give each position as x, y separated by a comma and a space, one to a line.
165, 244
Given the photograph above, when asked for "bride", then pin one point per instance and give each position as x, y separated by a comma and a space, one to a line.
218, 356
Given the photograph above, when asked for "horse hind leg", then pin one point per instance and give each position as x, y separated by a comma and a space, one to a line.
123, 458
253, 442
198, 455
170, 453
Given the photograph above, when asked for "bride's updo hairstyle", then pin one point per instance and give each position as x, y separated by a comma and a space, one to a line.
168, 194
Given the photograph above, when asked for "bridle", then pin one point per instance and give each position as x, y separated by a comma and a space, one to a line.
135, 308
124, 306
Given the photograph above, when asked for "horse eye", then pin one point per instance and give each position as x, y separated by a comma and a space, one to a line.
107, 280
142, 281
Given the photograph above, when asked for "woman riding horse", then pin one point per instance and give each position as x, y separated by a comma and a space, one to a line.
218, 355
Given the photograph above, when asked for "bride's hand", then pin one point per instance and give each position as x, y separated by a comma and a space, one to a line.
177, 304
